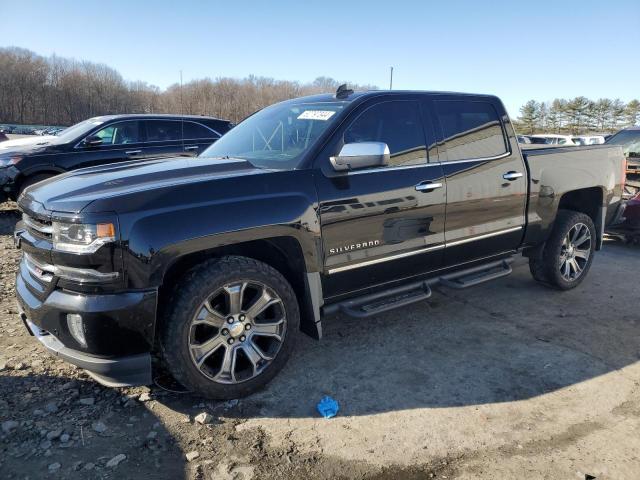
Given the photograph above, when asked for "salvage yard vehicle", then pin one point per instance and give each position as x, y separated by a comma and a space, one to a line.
355, 203
101, 140
629, 140
628, 222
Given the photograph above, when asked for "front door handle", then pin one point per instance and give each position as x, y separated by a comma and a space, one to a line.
133, 152
511, 176
191, 147
427, 186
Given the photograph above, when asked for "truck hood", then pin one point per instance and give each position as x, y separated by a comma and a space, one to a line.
74, 191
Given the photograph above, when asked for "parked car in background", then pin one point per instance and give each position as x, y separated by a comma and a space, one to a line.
556, 140
524, 140
589, 140
355, 203
629, 140
3, 136
53, 130
106, 139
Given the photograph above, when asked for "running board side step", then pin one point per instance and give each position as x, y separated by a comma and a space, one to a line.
379, 302
375, 303
477, 275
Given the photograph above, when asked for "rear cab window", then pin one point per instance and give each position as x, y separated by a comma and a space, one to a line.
471, 129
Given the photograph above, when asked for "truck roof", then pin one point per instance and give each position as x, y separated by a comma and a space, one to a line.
328, 97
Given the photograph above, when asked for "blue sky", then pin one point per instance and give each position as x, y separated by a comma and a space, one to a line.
517, 50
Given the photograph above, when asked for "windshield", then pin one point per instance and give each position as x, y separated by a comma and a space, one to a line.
76, 131
629, 140
278, 136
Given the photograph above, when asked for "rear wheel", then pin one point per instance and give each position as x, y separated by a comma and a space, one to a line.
230, 327
568, 253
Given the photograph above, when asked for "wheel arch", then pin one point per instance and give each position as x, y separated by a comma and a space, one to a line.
284, 253
589, 201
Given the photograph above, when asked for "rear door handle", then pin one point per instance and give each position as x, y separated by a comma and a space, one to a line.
511, 176
427, 186
191, 147
133, 152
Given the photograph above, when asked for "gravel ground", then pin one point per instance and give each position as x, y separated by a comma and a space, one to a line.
507, 380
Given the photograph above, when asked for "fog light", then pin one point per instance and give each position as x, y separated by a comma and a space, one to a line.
76, 327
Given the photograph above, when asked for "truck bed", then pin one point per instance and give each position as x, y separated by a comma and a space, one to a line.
554, 171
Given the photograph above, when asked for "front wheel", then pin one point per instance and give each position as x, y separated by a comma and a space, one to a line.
230, 327
567, 255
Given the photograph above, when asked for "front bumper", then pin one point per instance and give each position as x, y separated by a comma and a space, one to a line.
118, 329
131, 370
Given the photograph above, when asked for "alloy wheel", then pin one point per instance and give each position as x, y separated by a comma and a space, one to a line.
575, 252
237, 332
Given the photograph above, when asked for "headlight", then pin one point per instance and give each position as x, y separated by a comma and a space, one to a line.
82, 238
7, 160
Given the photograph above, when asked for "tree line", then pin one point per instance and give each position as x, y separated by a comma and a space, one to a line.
40, 90
577, 116
37, 90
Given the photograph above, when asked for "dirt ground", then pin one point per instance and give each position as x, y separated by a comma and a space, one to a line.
507, 380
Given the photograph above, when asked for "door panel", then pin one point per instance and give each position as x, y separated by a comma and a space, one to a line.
381, 224
370, 217
486, 182
485, 213
197, 138
164, 139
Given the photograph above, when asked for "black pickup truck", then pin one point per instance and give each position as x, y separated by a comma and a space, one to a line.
353, 202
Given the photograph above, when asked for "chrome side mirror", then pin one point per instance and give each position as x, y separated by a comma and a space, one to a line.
353, 156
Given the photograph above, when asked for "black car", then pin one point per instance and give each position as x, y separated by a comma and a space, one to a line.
106, 139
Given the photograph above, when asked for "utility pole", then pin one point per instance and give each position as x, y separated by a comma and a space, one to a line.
181, 112
391, 79
181, 109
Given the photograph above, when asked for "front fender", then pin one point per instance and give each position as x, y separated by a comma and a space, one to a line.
157, 239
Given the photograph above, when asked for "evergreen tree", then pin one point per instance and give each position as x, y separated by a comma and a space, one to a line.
530, 116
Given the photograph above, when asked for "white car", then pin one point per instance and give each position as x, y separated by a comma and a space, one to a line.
553, 139
589, 139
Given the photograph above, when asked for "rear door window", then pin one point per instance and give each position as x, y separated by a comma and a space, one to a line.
396, 123
470, 129
163, 130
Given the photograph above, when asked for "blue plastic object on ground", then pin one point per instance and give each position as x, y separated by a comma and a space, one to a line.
328, 407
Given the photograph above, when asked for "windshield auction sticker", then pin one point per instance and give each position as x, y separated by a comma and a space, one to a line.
323, 115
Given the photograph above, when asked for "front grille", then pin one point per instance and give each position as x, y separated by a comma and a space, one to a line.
38, 227
40, 271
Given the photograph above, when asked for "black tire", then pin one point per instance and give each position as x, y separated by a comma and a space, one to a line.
27, 182
546, 266
197, 287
